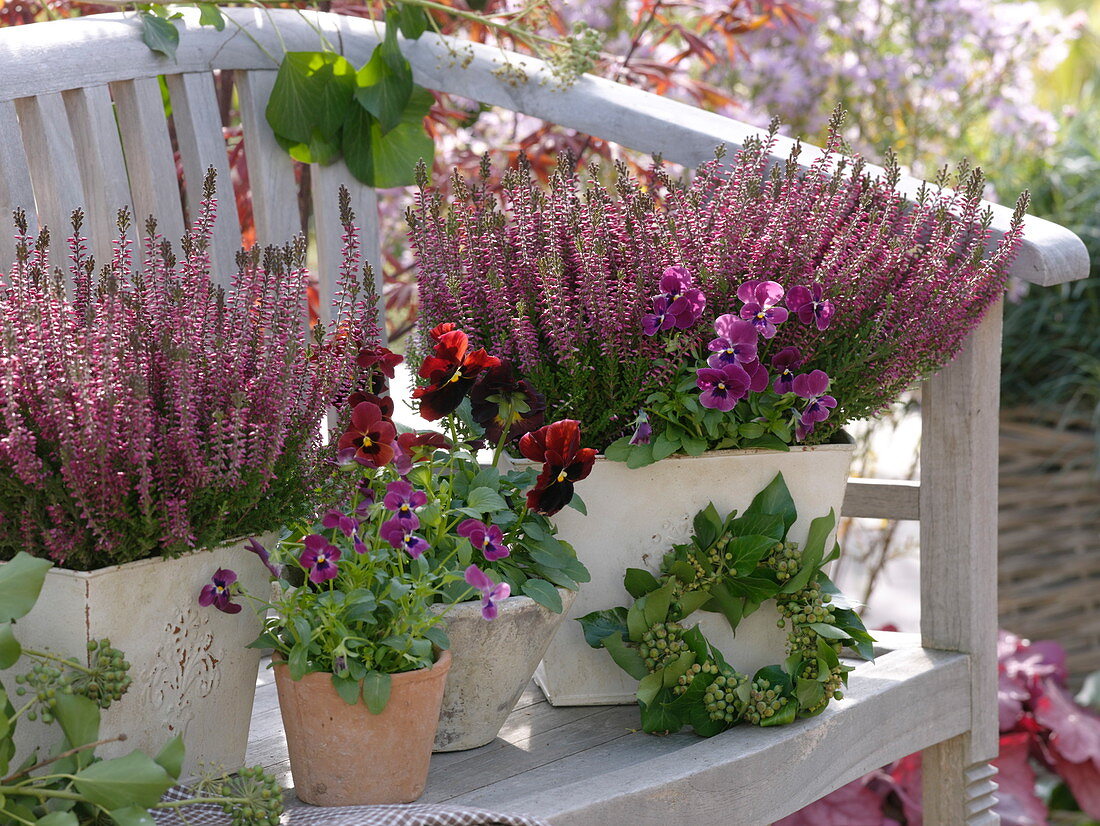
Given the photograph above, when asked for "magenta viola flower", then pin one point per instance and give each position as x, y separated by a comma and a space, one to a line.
399, 533
491, 593
219, 592
260, 551
679, 305
659, 319
758, 375
489, 539
643, 431
761, 298
810, 305
402, 499
319, 558
736, 342
784, 363
338, 520
723, 387
812, 387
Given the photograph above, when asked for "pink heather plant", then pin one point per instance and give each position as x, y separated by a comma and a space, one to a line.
154, 412
880, 291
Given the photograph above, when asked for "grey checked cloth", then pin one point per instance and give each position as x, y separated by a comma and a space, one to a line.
413, 814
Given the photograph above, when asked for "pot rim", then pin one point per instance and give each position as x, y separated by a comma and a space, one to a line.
439, 668
513, 604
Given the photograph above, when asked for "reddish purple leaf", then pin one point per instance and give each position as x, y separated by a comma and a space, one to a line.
1017, 803
1075, 731
1083, 780
851, 805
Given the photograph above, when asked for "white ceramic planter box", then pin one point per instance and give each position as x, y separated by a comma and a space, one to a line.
493, 663
192, 674
635, 516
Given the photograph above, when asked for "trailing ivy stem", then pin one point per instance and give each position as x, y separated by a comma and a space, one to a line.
484, 20
47, 656
194, 801
12, 777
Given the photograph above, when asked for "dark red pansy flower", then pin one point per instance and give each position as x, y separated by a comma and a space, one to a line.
371, 434
498, 400
558, 447
385, 403
380, 358
420, 446
451, 371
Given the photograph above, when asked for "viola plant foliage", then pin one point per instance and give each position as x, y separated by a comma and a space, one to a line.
586, 287
417, 521
71, 786
152, 412
731, 566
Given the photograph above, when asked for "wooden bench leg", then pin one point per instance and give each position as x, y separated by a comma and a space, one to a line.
956, 793
959, 567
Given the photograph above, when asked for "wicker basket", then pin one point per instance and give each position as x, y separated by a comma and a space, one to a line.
1050, 533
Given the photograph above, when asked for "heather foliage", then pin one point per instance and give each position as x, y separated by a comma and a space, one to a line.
153, 411
560, 280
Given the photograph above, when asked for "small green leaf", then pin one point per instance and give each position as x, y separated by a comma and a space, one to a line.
663, 446
544, 594
577, 504
79, 720
170, 757
657, 603
635, 619
694, 447
640, 456
133, 780
131, 816
809, 692
376, 691
830, 632
639, 582
20, 584
298, 661
438, 637
62, 819
627, 658
692, 601
600, 624
10, 649
211, 15
707, 525
619, 450
412, 20
159, 35
347, 688
649, 687
485, 500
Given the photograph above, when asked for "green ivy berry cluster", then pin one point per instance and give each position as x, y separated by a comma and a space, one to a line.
731, 566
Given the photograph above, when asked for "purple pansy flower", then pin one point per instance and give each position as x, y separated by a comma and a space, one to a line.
319, 558
659, 319
758, 375
736, 341
399, 533
723, 387
809, 304
812, 387
784, 362
760, 298
264, 556
643, 431
489, 539
686, 302
218, 592
491, 593
402, 500
347, 525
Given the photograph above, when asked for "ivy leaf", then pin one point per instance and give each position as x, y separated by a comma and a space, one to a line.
544, 594
809, 692
639, 582
812, 553
627, 658
211, 15
319, 149
707, 526
133, 780
312, 93
21, 582
160, 35
376, 691
412, 20
129, 816
659, 718
392, 155
649, 687
657, 604
601, 624
747, 551
10, 649
79, 720
170, 757
385, 84
774, 499
60, 819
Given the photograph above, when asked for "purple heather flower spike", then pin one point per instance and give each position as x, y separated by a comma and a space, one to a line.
722, 387
219, 593
489, 539
809, 304
643, 431
491, 593
319, 558
402, 500
736, 341
785, 362
399, 533
260, 551
336, 519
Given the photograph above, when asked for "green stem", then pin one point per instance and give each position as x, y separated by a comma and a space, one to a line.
12, 777
47, 656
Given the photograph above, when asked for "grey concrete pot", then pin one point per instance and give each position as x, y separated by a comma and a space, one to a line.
493, 663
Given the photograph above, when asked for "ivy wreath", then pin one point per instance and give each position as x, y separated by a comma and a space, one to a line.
732, 566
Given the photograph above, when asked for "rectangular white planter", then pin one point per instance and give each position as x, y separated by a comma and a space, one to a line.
635, 516
192, 674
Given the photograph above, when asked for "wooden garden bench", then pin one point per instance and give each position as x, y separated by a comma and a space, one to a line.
65, 85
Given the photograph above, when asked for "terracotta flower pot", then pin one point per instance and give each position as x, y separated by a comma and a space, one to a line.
342, 755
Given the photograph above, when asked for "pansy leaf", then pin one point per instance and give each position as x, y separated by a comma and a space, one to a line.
133, 780
774, 499
485, 500
20, 583
694, 446
559, 578
577, 504
347, 688
619, 450
297, 661
575, 569
376, 691
640, 456
627, 658
639, 582
600, 624
438, 635
544, 594
159, 34
312, 91
663, 446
